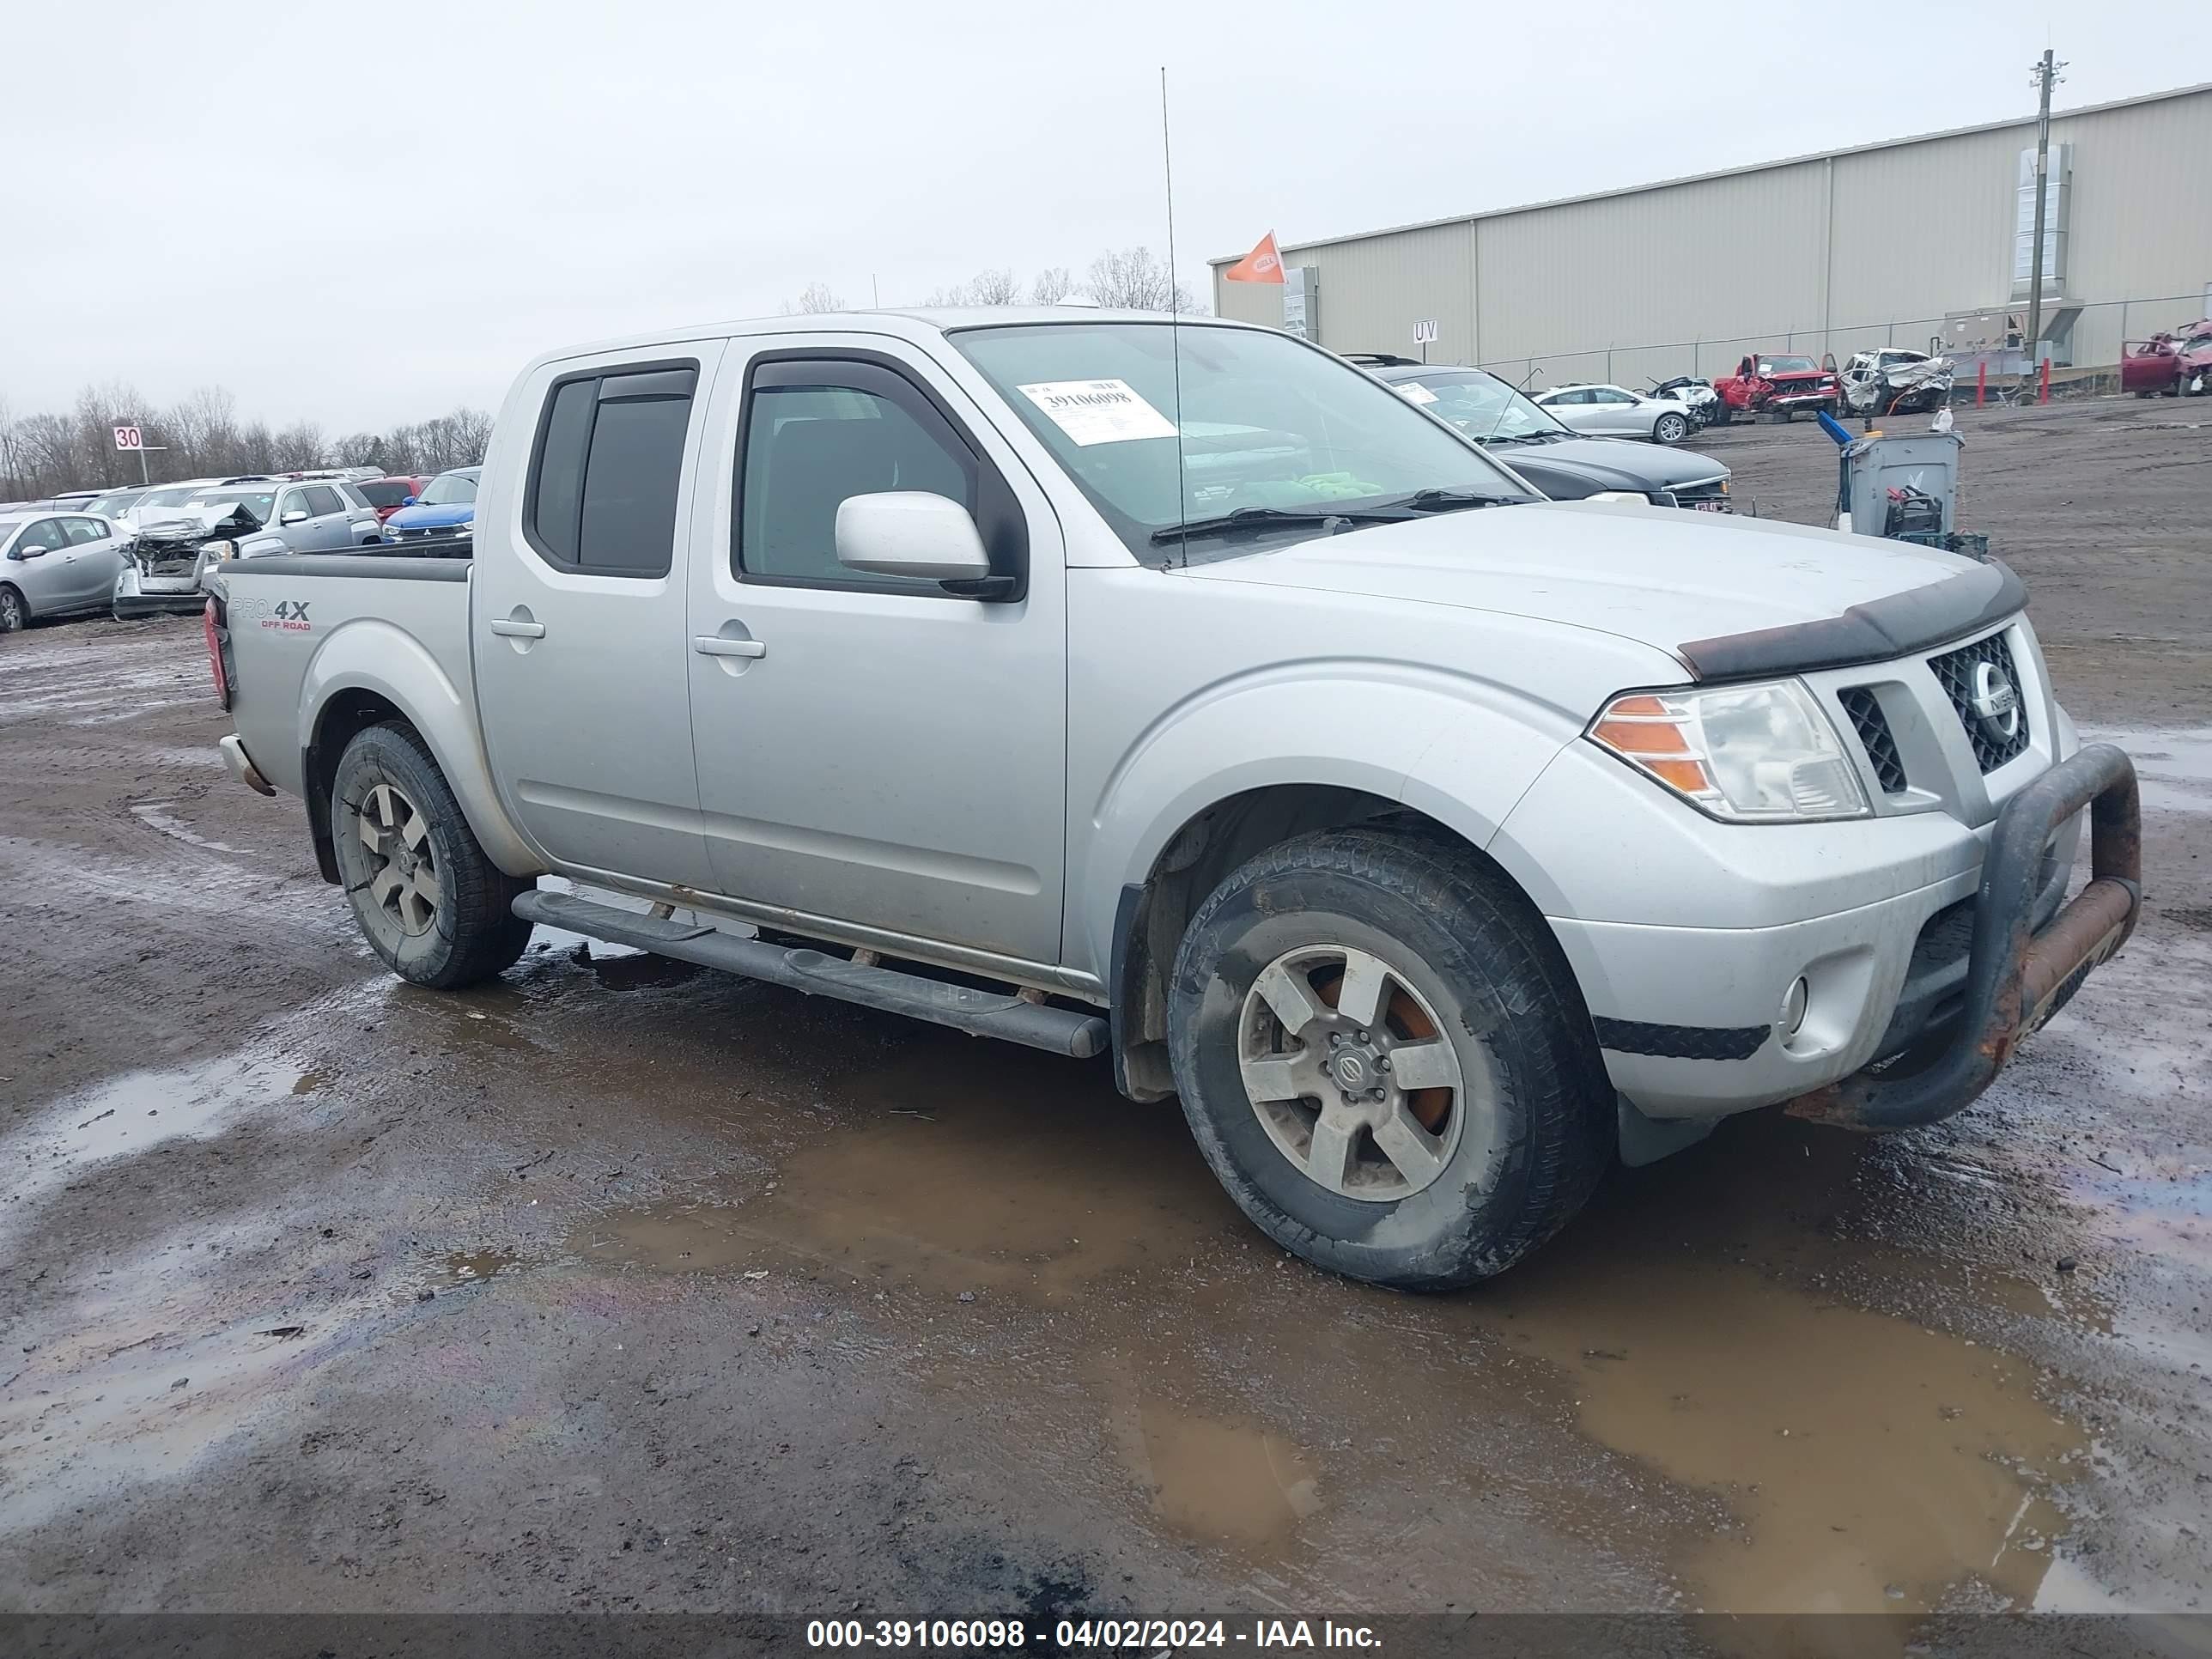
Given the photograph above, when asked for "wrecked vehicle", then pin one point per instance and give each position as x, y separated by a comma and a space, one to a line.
2174, 364
1434, 843
1777, 385
1894, 380
163, 571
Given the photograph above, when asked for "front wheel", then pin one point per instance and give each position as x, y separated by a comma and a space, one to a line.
427, 899
1386, 1061
13, 614
1720, 413
1669, 428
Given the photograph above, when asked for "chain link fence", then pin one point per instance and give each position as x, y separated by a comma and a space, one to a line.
2094, 343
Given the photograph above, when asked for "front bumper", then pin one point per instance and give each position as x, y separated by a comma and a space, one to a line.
128, 606
2017, 974
1909, 987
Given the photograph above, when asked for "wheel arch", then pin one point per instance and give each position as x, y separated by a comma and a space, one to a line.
1153, 909
368, 673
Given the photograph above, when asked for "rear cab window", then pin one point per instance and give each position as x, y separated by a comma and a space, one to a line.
603, 477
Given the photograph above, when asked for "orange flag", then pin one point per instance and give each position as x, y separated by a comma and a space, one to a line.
1261, 264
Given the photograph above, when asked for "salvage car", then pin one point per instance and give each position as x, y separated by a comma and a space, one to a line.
1778, 385
1432, 842
245, 518
388, 494
1895, 381
1565, 466
2174, 362
1614, 411
54, 564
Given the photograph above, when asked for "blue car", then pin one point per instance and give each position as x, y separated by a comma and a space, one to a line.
447, 506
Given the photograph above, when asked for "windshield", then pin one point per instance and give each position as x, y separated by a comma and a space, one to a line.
115, 501
174, 495
1481, 405
2197, 342
257, 502
448, 490
1266, 423
1786, 365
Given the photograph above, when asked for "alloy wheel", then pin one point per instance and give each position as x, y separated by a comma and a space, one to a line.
404, 880
1347, 1067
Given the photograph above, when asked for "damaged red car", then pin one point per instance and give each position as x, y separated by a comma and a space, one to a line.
1778, 383
2176, 363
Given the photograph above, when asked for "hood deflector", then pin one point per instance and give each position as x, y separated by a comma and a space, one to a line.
1895, 625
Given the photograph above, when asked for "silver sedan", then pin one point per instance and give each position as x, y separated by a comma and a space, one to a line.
53, 564
1614, 411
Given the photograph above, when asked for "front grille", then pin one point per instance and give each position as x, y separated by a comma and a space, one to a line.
1957, 672
1873, 727
1709, 492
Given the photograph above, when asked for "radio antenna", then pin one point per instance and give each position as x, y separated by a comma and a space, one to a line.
1174, 334
1505, 407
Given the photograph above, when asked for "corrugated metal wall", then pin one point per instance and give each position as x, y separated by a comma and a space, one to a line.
1832, 255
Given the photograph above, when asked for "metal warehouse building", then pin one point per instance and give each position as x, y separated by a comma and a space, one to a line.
1909, 242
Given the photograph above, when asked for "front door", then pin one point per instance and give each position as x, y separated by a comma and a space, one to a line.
577, 617
882, 752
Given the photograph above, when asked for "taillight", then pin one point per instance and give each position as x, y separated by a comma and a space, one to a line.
218, 637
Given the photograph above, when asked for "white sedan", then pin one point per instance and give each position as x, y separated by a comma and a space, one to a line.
1614, 411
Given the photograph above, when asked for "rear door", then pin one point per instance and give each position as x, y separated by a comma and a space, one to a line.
91, 559
886, 753
1574, 409
577, 619
328, 523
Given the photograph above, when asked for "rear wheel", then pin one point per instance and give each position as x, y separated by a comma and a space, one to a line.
1670, 428
427, 899
1386, 1061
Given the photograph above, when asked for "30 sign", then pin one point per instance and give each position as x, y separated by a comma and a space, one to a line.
129, 437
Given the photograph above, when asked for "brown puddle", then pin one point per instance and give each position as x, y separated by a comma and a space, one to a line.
1211, 1478
1040, 1182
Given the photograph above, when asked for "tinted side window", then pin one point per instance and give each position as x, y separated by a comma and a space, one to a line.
809, 448
610, 456
80, 531
322, 499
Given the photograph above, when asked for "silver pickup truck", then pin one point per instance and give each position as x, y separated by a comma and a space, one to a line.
1178, 692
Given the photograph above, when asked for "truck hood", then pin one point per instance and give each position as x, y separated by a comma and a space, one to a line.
1723, 595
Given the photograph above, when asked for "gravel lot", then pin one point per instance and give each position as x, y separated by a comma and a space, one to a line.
618, 1286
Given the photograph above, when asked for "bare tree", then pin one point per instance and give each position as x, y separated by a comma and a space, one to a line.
944, 298
1137, 279
1054, 283
815, 296
298, 447
995, 287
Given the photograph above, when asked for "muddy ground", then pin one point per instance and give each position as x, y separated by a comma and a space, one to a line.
617, 1285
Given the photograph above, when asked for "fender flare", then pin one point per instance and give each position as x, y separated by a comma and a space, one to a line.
1460, 750
368, 654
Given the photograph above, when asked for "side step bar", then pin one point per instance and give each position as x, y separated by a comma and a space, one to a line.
979, 1013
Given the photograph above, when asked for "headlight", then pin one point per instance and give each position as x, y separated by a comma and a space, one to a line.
1635, 495
1745, 754
220, 549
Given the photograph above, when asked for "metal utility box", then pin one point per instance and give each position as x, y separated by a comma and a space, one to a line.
1919, 464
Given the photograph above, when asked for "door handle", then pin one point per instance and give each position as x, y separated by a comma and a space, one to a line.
518, 631
713, 645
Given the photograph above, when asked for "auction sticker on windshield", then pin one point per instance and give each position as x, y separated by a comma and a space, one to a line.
1414, 392
1098, 411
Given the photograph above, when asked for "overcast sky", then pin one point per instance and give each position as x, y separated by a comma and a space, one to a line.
369, 214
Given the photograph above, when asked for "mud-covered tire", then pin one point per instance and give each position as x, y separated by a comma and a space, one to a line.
471, 933
1538, 1125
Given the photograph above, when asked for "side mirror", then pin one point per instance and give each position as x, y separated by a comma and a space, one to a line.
297, 515
33, 551
909, 532
409, 501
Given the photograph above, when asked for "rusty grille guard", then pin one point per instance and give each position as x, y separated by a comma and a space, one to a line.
2015, 979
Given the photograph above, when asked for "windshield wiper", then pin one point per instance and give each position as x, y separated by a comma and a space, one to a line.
1266, 518
1451, 501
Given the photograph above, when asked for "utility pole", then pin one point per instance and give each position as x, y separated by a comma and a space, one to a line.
2044, 77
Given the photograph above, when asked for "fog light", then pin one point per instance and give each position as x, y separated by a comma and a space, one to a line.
1794, 1003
